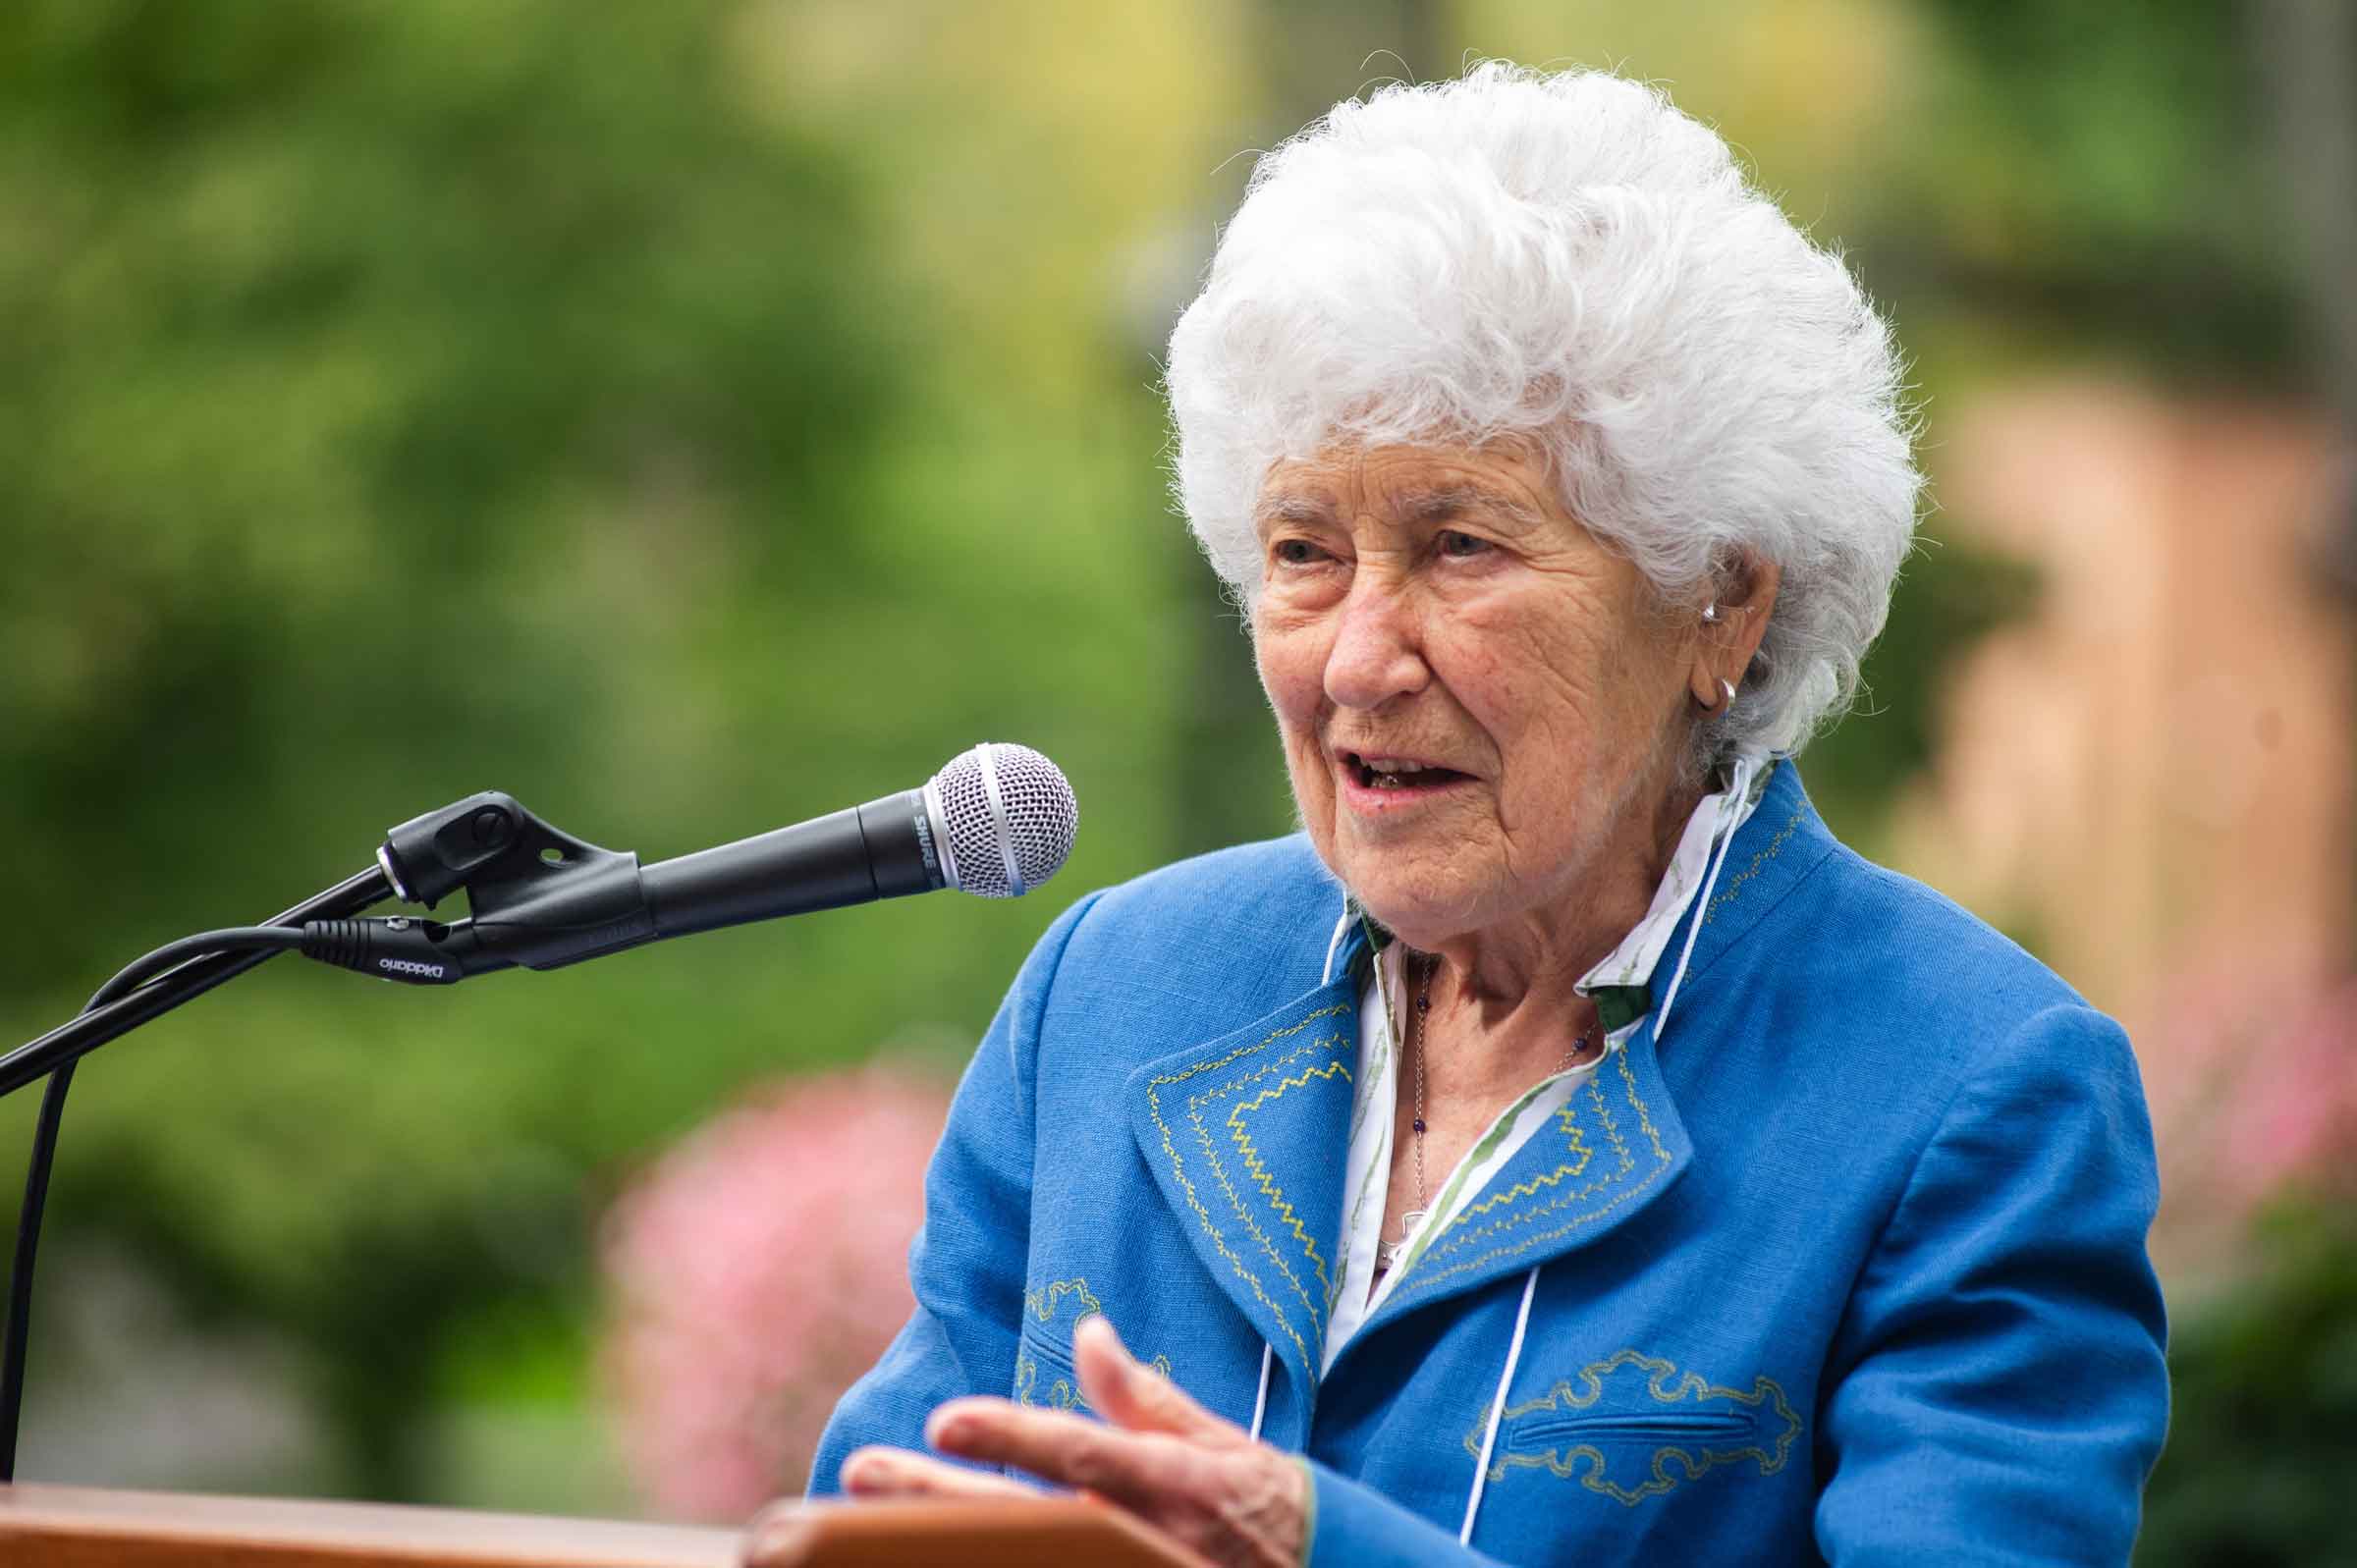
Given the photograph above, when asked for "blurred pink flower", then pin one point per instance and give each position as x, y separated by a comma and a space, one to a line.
753, 1273
2252, 1080
2289, 1116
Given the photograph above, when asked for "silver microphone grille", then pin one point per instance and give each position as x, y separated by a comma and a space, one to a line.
1004, 817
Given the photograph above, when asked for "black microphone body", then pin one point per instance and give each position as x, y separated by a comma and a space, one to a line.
882, 849
996, 821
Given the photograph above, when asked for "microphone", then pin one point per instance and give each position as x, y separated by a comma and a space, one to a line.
996, 821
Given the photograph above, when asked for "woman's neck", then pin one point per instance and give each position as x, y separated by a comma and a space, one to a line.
1530, 965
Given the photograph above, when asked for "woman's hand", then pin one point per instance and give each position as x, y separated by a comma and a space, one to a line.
1157, 1453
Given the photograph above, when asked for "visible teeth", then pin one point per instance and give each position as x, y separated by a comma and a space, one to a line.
1392, 765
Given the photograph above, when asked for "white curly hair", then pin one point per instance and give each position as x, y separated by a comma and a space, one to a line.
1568, 259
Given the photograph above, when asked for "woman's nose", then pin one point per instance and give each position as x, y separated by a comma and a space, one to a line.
1377, 653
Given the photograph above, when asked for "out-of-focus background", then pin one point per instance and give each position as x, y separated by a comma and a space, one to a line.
695, 416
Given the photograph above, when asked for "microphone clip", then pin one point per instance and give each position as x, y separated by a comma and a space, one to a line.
486, 840
537, 895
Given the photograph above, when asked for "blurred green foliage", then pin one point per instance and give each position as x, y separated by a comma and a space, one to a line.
2263, 1430
404, 399
2093, 176
692, 417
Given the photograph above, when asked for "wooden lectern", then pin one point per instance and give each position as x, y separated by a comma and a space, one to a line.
82, 1527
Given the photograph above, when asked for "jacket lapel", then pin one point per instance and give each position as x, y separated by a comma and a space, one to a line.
1603, 1160
1245, 1135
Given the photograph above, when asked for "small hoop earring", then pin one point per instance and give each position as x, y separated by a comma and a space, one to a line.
1729, 687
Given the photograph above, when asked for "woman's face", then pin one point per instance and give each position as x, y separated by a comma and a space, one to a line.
1483, 707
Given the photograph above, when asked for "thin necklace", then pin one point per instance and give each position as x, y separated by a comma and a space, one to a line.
1388, 1252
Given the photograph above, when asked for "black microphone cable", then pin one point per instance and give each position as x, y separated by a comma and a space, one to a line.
258, 940
237, 939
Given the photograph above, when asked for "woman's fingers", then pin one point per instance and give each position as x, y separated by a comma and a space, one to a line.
1237, 1502
1157, 1454
1140, 1470
1138, 1397
898, 1473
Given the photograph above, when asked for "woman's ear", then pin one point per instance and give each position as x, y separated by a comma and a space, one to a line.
1732, 624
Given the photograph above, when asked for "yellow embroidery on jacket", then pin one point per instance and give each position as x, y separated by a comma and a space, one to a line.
1668, 1386
1041, 1304
1065, 1392
1653, 1134
1169, 1152
1317, 1305
1061, 1394
1520, 1211
1267, 1183
1568, 1120
1774, 848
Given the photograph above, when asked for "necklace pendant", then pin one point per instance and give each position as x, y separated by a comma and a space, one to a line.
1387, 1253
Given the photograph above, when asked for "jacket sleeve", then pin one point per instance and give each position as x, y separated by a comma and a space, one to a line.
1354, 1526
1997, 1391
966, 1264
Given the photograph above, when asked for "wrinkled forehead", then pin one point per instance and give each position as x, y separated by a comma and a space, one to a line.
1408, 486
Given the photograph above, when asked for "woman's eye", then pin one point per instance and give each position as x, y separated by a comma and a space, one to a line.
1453, 542
1298, 552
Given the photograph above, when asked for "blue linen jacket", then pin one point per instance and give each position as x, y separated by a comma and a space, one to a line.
1850, 1266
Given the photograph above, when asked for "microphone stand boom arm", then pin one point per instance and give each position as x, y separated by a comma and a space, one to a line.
86, 1033
424, 860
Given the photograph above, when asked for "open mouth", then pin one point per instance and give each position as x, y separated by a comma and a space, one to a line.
1398, 772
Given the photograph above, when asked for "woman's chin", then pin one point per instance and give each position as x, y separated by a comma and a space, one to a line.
1421, 912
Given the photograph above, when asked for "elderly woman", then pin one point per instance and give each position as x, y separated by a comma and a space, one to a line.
1564, 1151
